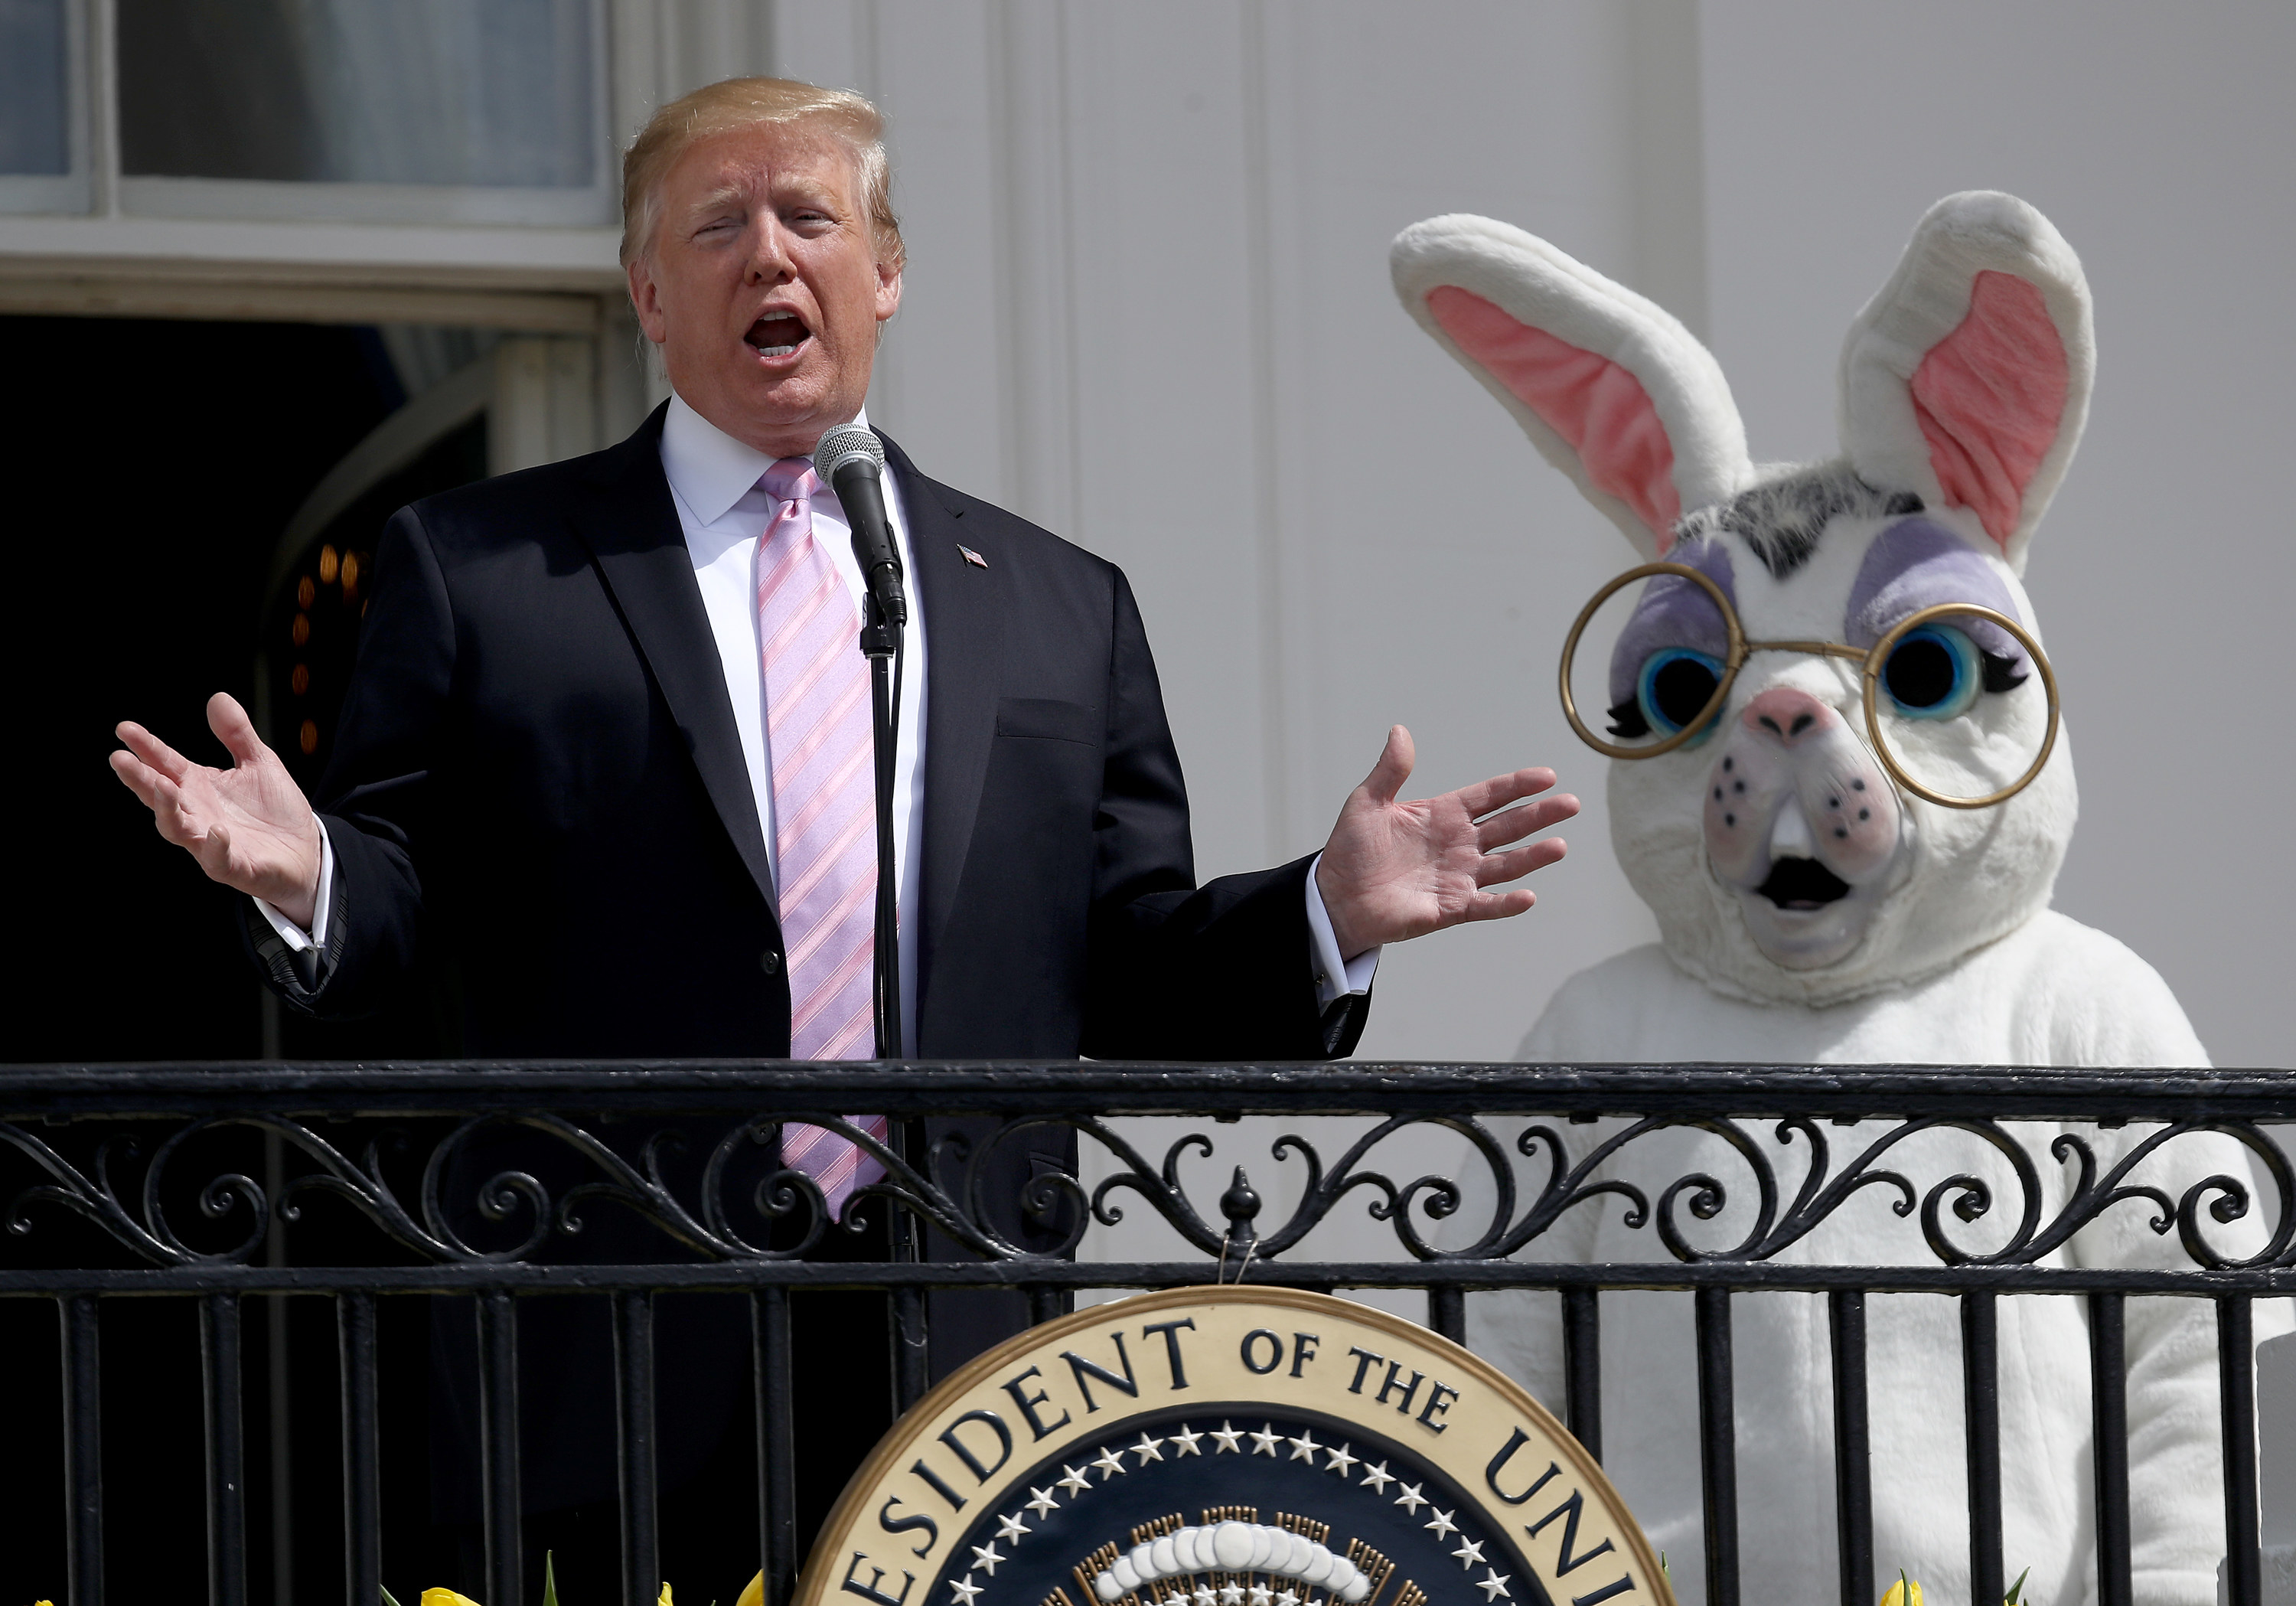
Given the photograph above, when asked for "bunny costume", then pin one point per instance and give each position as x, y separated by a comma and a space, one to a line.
1812, 908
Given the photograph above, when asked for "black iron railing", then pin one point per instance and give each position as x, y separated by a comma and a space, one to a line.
132, 1151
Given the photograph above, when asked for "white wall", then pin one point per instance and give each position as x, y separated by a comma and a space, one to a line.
1148, 306
2159, 140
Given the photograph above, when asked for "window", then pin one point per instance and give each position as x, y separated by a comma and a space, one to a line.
355, 111
43, 157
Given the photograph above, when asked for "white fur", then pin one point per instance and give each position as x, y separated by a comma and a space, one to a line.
1955, 959
1961, 236
2051, 992
1536, 284
1964, 877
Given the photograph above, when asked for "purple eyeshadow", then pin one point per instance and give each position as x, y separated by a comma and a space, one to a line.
1674, 612
1918, 564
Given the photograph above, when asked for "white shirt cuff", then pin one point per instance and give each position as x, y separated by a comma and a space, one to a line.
297, 940
1335, 977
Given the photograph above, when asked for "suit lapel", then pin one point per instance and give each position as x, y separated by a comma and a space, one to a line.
964, 613
632, 528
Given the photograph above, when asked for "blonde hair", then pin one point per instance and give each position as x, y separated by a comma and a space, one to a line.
746, 103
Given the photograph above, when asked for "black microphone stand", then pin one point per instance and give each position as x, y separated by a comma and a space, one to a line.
882, 640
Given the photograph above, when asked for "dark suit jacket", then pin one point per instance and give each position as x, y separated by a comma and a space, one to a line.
538, 798
537, 779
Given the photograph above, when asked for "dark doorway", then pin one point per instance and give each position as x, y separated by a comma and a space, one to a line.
174, 453
168, 457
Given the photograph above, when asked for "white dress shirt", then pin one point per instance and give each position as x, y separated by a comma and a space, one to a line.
713, 482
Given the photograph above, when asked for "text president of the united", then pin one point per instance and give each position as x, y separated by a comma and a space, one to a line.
604, 758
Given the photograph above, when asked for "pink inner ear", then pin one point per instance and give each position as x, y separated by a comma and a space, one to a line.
1594, 404
1990, 396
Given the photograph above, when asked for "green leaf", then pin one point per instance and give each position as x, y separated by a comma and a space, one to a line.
2017, 1588
386, 1600
549, 1580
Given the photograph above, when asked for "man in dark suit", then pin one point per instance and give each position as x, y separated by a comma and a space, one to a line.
589, 773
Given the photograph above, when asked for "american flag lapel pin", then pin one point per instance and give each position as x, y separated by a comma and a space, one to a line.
972, 557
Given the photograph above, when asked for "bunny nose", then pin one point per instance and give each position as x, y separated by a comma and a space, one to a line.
1789, 715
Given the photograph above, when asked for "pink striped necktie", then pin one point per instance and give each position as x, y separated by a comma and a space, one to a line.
824, 812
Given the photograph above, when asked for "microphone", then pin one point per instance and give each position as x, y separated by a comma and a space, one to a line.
850, 460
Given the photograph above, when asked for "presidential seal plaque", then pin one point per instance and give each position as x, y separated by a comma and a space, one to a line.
1230, 1446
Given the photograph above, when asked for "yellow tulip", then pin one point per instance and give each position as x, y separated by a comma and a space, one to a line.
446, 1597
755, 1593
1905, 1591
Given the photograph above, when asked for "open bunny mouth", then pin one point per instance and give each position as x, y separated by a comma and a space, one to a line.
1803, 884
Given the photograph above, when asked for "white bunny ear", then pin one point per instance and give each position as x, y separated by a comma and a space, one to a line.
1609, 386
1966, 380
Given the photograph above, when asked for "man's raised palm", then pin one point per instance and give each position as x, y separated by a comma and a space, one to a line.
250, 826
1394, 870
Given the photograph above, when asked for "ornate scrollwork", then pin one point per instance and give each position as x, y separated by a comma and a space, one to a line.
740, 1205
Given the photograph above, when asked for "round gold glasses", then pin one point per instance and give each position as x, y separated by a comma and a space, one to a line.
1873, 661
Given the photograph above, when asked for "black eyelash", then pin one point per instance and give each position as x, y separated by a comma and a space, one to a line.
1627, 718
2001, 673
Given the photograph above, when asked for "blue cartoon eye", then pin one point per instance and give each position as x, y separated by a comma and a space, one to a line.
1674, 684
1933, 673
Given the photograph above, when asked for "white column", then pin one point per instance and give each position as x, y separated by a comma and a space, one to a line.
545, 401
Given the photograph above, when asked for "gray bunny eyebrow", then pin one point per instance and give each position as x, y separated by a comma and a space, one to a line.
1781, 520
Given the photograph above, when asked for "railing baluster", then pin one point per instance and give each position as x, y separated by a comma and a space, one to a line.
1718, 1446
278, 1376
910, 1355
1853, 1459
1446, 1311
83, 1450
2108, 1433
226, 1451
1582, 1368
1045, 1303
2236, 1364
1981, 1371
498, 1441
278, 1365
633, 1393
769, 1316
362, 1478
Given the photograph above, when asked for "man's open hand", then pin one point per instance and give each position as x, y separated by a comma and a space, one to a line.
250, 825
1394, 870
